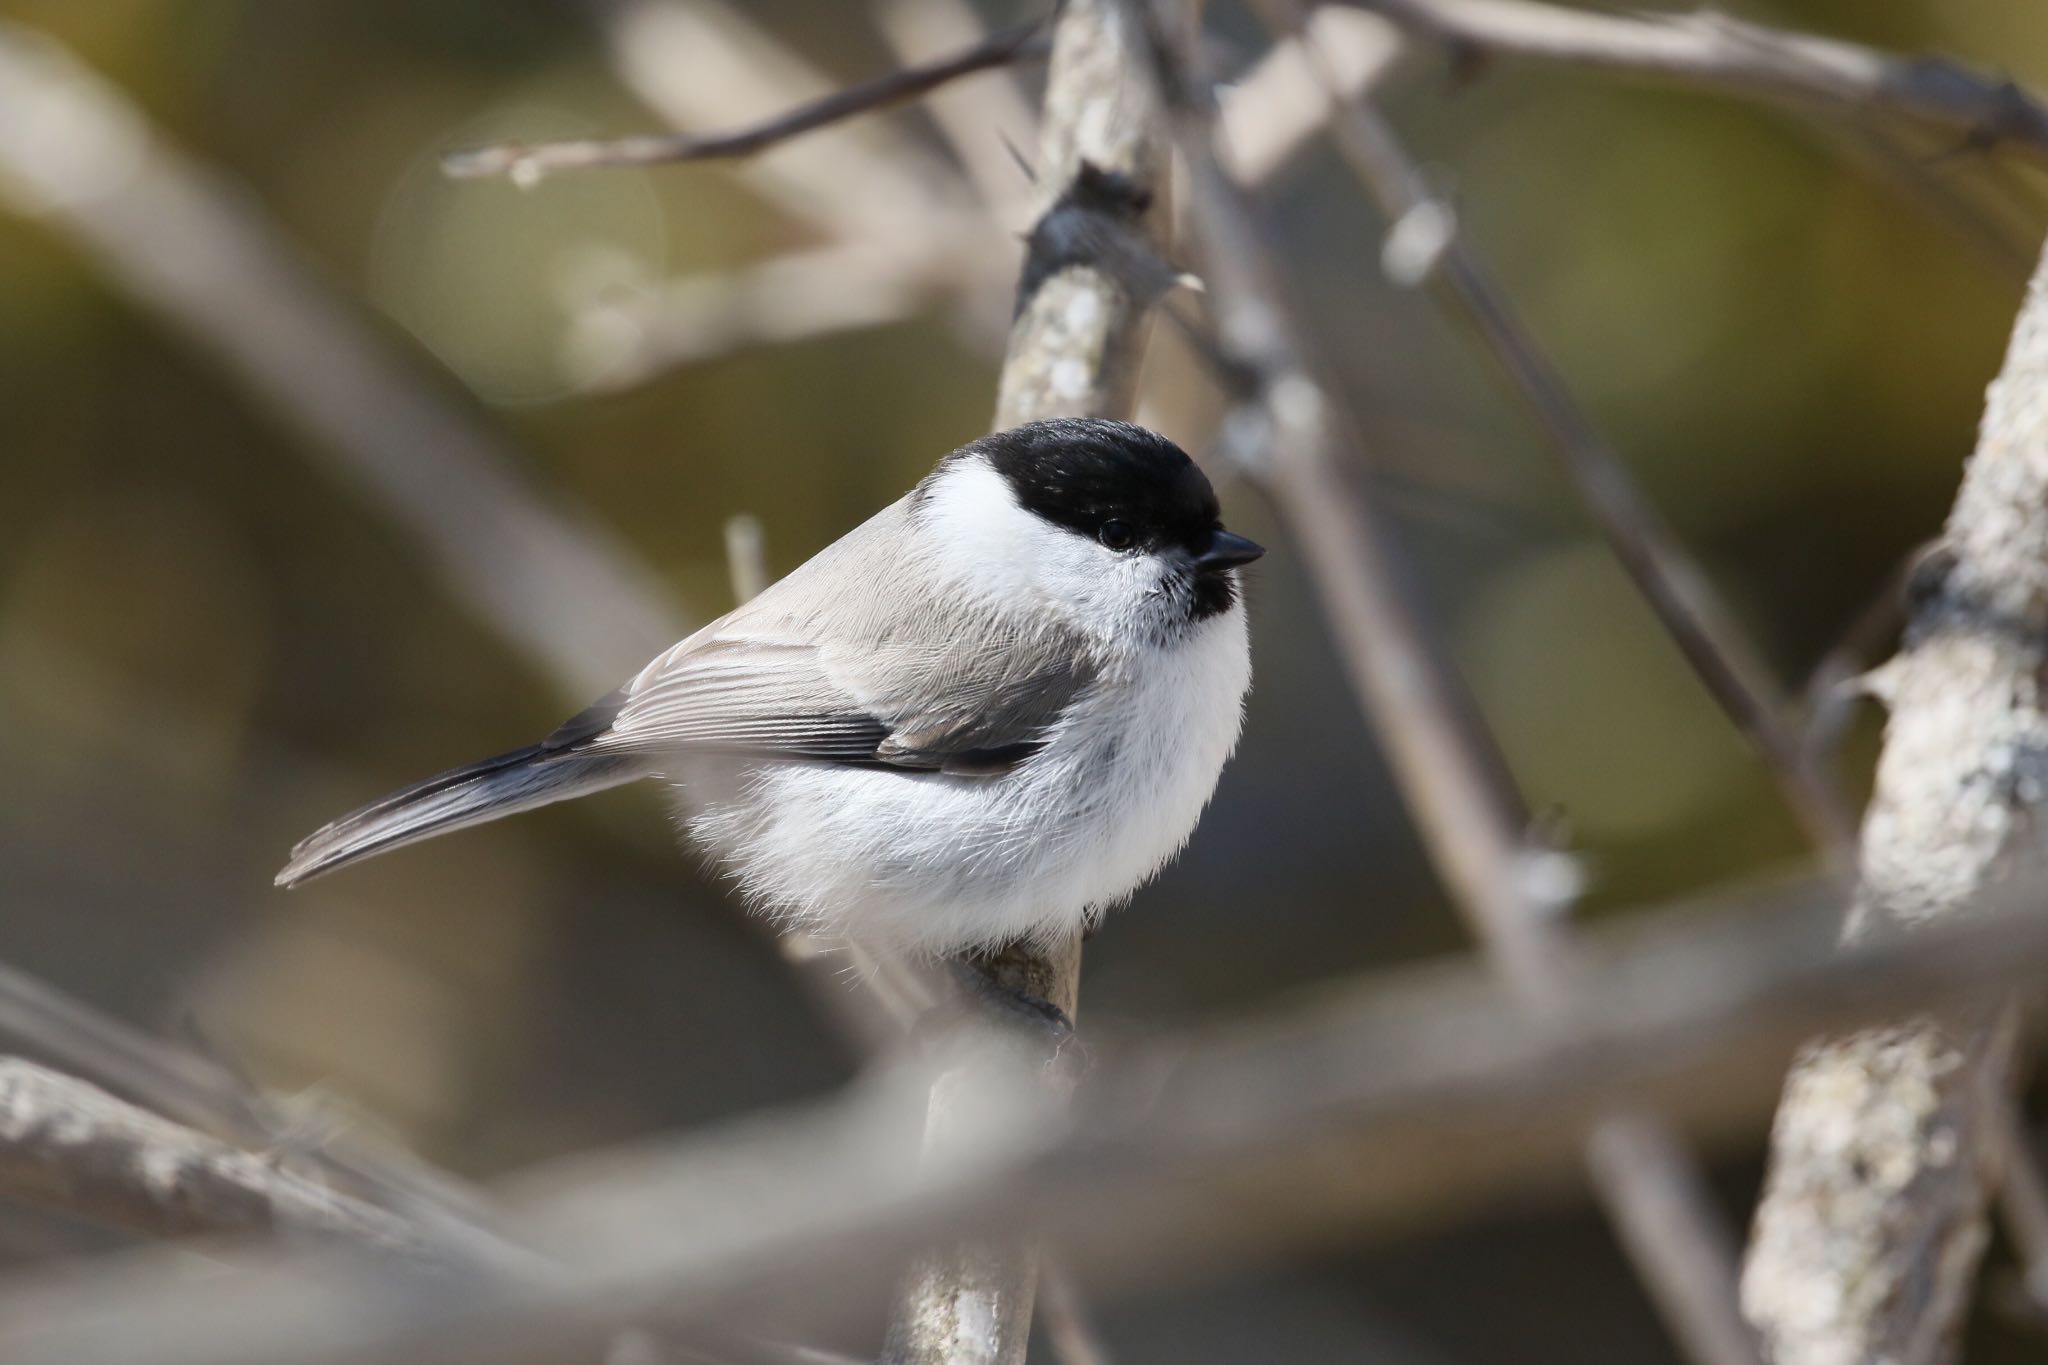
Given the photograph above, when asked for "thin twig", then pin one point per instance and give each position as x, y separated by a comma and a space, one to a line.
703, 64
526, 163
1986, 216
1713, 52
1677, 589
1831, 689
874, 273
975, 117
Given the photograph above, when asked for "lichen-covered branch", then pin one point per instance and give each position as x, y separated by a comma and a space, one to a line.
1885, 1145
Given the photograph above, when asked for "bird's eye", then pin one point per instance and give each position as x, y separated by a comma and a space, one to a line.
1117, 535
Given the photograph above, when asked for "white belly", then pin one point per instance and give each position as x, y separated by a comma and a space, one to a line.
929, 863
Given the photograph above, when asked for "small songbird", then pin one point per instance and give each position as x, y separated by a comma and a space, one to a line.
986, 715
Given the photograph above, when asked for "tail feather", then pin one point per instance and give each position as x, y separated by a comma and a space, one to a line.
521, 780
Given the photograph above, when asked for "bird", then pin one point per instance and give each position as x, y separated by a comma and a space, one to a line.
985, 716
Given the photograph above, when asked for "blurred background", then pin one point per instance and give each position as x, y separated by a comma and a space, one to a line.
216, 632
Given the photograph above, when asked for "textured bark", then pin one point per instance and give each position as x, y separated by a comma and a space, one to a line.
1873, 1218
1090, 273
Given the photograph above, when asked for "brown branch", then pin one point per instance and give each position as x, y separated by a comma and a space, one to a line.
1713, 52
1368, 1109
1873, 1216
526, 163
1471, 815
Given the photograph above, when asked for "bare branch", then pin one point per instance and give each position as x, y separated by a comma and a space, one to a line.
1368, 1109
188, 246
1713, 52
797, 296
201, 1094
1457, 784
975, 117
703, 64
1671, 581
1872, 1220
873, 274
73, 1148
1278, 107
527, 163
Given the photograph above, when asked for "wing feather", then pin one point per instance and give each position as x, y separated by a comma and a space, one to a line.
777, 699
899, 676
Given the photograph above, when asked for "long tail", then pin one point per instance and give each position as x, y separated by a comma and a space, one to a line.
521, 780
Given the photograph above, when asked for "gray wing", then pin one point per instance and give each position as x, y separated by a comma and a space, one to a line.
811, 672
951, 712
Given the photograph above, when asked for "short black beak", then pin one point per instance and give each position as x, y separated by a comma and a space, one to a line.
1227, 550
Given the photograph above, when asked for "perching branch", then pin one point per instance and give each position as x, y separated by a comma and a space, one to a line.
1872, 1220
1471, 815
527, 163
1713, 52
1090, 273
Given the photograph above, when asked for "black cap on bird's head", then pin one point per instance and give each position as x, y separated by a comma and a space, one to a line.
1126, 487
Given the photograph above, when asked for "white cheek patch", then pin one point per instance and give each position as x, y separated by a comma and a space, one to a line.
993, 548
980, 536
